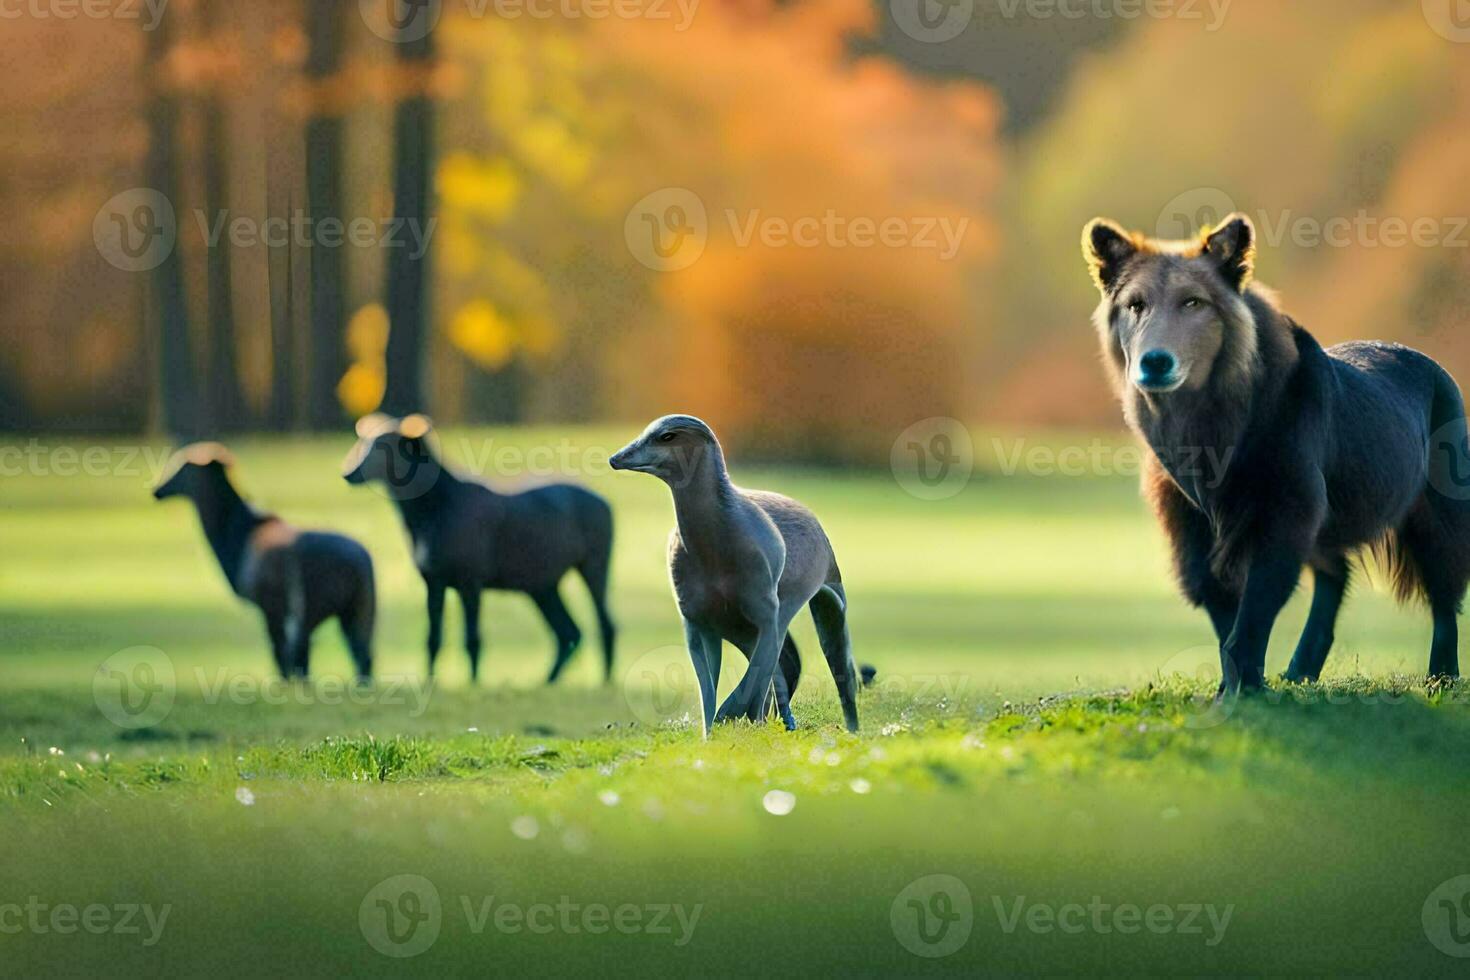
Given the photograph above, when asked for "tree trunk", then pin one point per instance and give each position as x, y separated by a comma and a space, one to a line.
324, 21
407, 261
227, 400
179, 401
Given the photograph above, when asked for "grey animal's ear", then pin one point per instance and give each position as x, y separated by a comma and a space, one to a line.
1106, 247
1232, 247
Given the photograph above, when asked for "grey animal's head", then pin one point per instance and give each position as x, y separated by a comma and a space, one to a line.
1173, 314
673, 448
395, 454
194, 471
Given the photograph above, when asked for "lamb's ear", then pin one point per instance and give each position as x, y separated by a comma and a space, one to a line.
1232, 247
1106, 247
371, 425
415, 427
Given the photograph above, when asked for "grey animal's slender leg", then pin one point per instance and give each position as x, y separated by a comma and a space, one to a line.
568, 636
779, 689
469, 599
1317, 636
829, 612
706, 669
750, 694
436, 620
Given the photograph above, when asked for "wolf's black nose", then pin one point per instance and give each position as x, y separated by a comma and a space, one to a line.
1156, 364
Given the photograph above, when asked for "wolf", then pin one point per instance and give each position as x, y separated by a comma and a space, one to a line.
1323, 454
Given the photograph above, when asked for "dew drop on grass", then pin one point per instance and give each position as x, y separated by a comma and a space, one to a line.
778, 802
609, 797
526, 828
861, 787
244, 796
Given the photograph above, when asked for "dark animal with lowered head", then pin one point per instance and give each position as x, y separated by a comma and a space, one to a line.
469, 538
1270, 453
299, 579
743, 564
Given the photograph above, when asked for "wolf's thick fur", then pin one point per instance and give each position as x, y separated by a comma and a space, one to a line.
1322, 453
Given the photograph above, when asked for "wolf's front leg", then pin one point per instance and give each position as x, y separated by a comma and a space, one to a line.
1273, 575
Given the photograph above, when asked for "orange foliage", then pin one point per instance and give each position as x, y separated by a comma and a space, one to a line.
797, 332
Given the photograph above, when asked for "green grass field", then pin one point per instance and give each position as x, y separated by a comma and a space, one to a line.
1040, 785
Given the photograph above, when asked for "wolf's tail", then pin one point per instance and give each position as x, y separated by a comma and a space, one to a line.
1428, 556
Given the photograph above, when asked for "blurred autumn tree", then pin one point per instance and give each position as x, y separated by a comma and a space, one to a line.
1290, 113
824, 351
530, 301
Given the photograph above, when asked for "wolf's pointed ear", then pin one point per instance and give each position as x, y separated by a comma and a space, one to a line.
1106, 247
1232, 247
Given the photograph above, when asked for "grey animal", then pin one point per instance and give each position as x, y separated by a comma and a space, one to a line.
743, 563
298, 578
468, 537
1270, 453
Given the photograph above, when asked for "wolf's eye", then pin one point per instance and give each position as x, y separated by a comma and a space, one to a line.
1137, 307
1193, 303
665, 437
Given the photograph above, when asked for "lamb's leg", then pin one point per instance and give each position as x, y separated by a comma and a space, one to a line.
275, 627
568, 636
594, 573
436, 620
469, 598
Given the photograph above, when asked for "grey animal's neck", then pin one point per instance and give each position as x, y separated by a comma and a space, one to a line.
228, 522
702, 508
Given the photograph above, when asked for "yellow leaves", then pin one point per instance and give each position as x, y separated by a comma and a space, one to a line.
491, 339
547, 146
485, 189
483, 334
367, 333
361, 389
